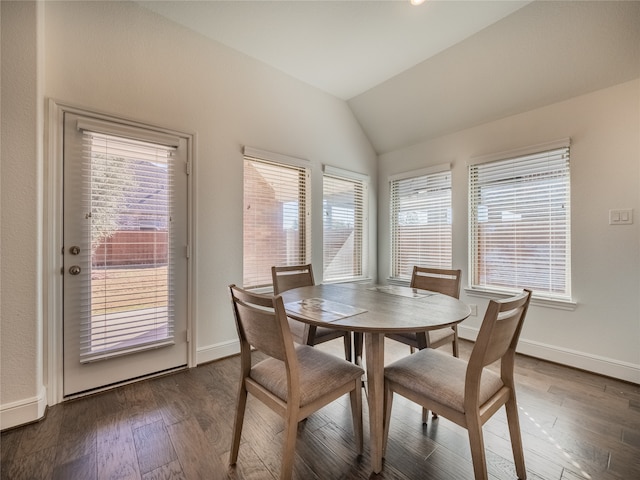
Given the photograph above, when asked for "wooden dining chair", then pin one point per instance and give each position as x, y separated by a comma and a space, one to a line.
442, 281
294, 276
438, 280
294, 380
467, 393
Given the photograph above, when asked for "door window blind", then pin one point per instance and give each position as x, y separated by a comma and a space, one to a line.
344, 235
420, 223
276, 218
520, 223
127, 197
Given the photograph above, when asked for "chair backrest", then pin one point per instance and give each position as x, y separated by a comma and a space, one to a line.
438, 280
498, 338
294, 276
261, 322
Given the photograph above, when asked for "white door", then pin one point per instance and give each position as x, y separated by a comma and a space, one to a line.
125, 273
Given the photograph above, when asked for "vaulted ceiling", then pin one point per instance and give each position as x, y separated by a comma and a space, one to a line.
410, 73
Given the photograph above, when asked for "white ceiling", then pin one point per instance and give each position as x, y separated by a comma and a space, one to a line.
410, 73
341, 47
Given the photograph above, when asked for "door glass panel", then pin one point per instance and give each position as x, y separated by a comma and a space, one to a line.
128, 187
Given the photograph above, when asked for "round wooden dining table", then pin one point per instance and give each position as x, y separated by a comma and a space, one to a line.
374, 311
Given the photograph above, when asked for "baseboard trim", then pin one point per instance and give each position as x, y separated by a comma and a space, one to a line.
584, 361
217, 351
23, 411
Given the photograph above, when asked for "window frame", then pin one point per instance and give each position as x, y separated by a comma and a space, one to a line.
263, 281
535, 153
360, 255
418, 175
109, 149
53, 232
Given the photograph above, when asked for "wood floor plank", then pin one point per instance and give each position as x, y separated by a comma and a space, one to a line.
9, 444
141, 404
81, 467
170, 471
116, 451
77, 437
37, 465
174, 402
324, 450
251, 467
625, 462
42, 434
575, 426
153, 446
434, 465
194, 452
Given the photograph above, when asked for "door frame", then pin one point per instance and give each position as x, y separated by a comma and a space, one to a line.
52, 238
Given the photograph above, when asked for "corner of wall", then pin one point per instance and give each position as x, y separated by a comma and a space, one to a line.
217, 351
23, 411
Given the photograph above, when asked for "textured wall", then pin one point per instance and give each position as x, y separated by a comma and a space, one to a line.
121, 59
603, 331
22, 126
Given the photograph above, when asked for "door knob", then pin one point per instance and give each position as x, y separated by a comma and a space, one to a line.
74, 269
74, 250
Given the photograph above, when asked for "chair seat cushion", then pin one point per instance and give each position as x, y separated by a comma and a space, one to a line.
320, 372
439, 377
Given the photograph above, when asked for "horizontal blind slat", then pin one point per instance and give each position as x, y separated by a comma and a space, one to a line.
519, 214
344, 232
128, 303
275, 220
421, 223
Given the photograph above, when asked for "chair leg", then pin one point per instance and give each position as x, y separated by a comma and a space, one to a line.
516, 437
356, 414
358, 347
289, 445
237, 424
388, 401
476, 442
455, 342
425, 415
347, 346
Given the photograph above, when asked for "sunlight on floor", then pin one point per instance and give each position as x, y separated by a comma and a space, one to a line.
557, 445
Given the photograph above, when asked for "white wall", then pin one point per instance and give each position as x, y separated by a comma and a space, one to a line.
118, 58
22, 394
603, 333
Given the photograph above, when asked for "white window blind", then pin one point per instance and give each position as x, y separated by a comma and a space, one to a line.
128, 304
420, 223
344, 234
276, 218
520, 224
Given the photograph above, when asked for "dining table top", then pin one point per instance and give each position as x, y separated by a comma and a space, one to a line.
373, 308
374, 311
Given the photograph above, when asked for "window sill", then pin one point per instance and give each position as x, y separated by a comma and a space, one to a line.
560, 304
349, 280
399, 281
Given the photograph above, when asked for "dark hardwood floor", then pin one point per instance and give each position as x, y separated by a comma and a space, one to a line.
575, 425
